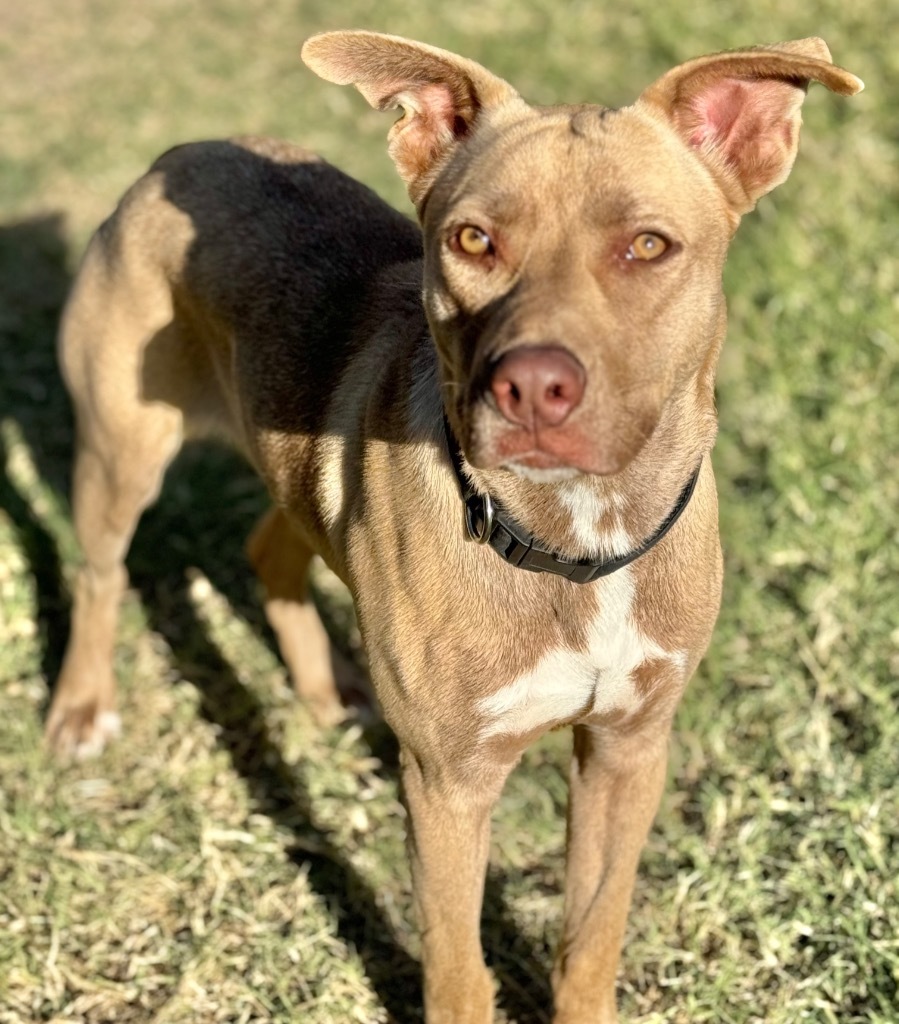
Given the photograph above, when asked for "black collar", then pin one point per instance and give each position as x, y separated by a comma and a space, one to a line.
488, 523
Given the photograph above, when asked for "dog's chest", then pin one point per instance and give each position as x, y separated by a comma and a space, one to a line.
595, 679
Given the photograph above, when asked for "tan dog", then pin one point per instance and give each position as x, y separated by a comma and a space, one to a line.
552, 397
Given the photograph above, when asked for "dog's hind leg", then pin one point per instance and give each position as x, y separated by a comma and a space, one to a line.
123, 445
111, 489
281, 560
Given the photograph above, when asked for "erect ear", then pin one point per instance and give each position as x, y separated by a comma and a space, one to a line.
442, 95
740, 110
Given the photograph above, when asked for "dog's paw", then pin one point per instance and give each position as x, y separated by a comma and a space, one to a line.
339, 692
81, 731
327, 713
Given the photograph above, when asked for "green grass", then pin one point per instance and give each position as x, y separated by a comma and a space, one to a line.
229, 862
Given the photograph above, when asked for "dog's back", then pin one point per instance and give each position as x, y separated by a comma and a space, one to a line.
218, 233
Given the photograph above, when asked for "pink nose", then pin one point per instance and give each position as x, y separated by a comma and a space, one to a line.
537, 387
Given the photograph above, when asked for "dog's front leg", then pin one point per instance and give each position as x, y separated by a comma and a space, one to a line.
616, 784
449, 837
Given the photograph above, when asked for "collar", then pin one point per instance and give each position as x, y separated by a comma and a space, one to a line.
489, 523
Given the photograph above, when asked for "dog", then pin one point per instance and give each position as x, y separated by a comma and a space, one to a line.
495, 427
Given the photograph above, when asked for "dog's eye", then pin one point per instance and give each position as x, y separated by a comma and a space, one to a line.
473, 241
647, 246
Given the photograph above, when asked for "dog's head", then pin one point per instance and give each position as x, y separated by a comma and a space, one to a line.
573, 255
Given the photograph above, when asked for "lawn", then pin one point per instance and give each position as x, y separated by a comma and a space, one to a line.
229, 862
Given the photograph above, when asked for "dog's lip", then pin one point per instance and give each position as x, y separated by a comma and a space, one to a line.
553, 450
526, 450
538, 449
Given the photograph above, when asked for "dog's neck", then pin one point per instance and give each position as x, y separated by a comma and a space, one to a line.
488, 522
590, 516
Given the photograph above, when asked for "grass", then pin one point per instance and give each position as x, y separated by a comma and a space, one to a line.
230, 862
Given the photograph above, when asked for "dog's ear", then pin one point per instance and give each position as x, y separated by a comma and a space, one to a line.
740, 111
441, 95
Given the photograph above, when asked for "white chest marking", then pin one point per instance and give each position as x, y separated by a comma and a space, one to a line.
597, 680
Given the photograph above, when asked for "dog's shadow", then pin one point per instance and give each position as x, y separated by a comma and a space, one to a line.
205, 533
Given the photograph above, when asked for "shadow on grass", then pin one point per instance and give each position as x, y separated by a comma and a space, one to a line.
34, 280
525, 993
208, 505
277, 790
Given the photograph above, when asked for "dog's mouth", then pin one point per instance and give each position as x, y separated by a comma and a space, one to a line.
533, 450
551, 454
596, 445
552, 451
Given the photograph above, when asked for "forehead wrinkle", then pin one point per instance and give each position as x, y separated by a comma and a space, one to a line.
537, 135
585, 122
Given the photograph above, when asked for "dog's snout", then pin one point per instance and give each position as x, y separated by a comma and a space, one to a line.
537, 386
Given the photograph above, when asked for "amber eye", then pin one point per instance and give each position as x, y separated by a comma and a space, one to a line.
473, 240
647, 246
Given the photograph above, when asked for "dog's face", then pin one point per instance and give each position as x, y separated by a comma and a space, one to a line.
573, 255
573, 264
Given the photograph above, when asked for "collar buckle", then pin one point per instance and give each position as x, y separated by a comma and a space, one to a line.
480, 513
